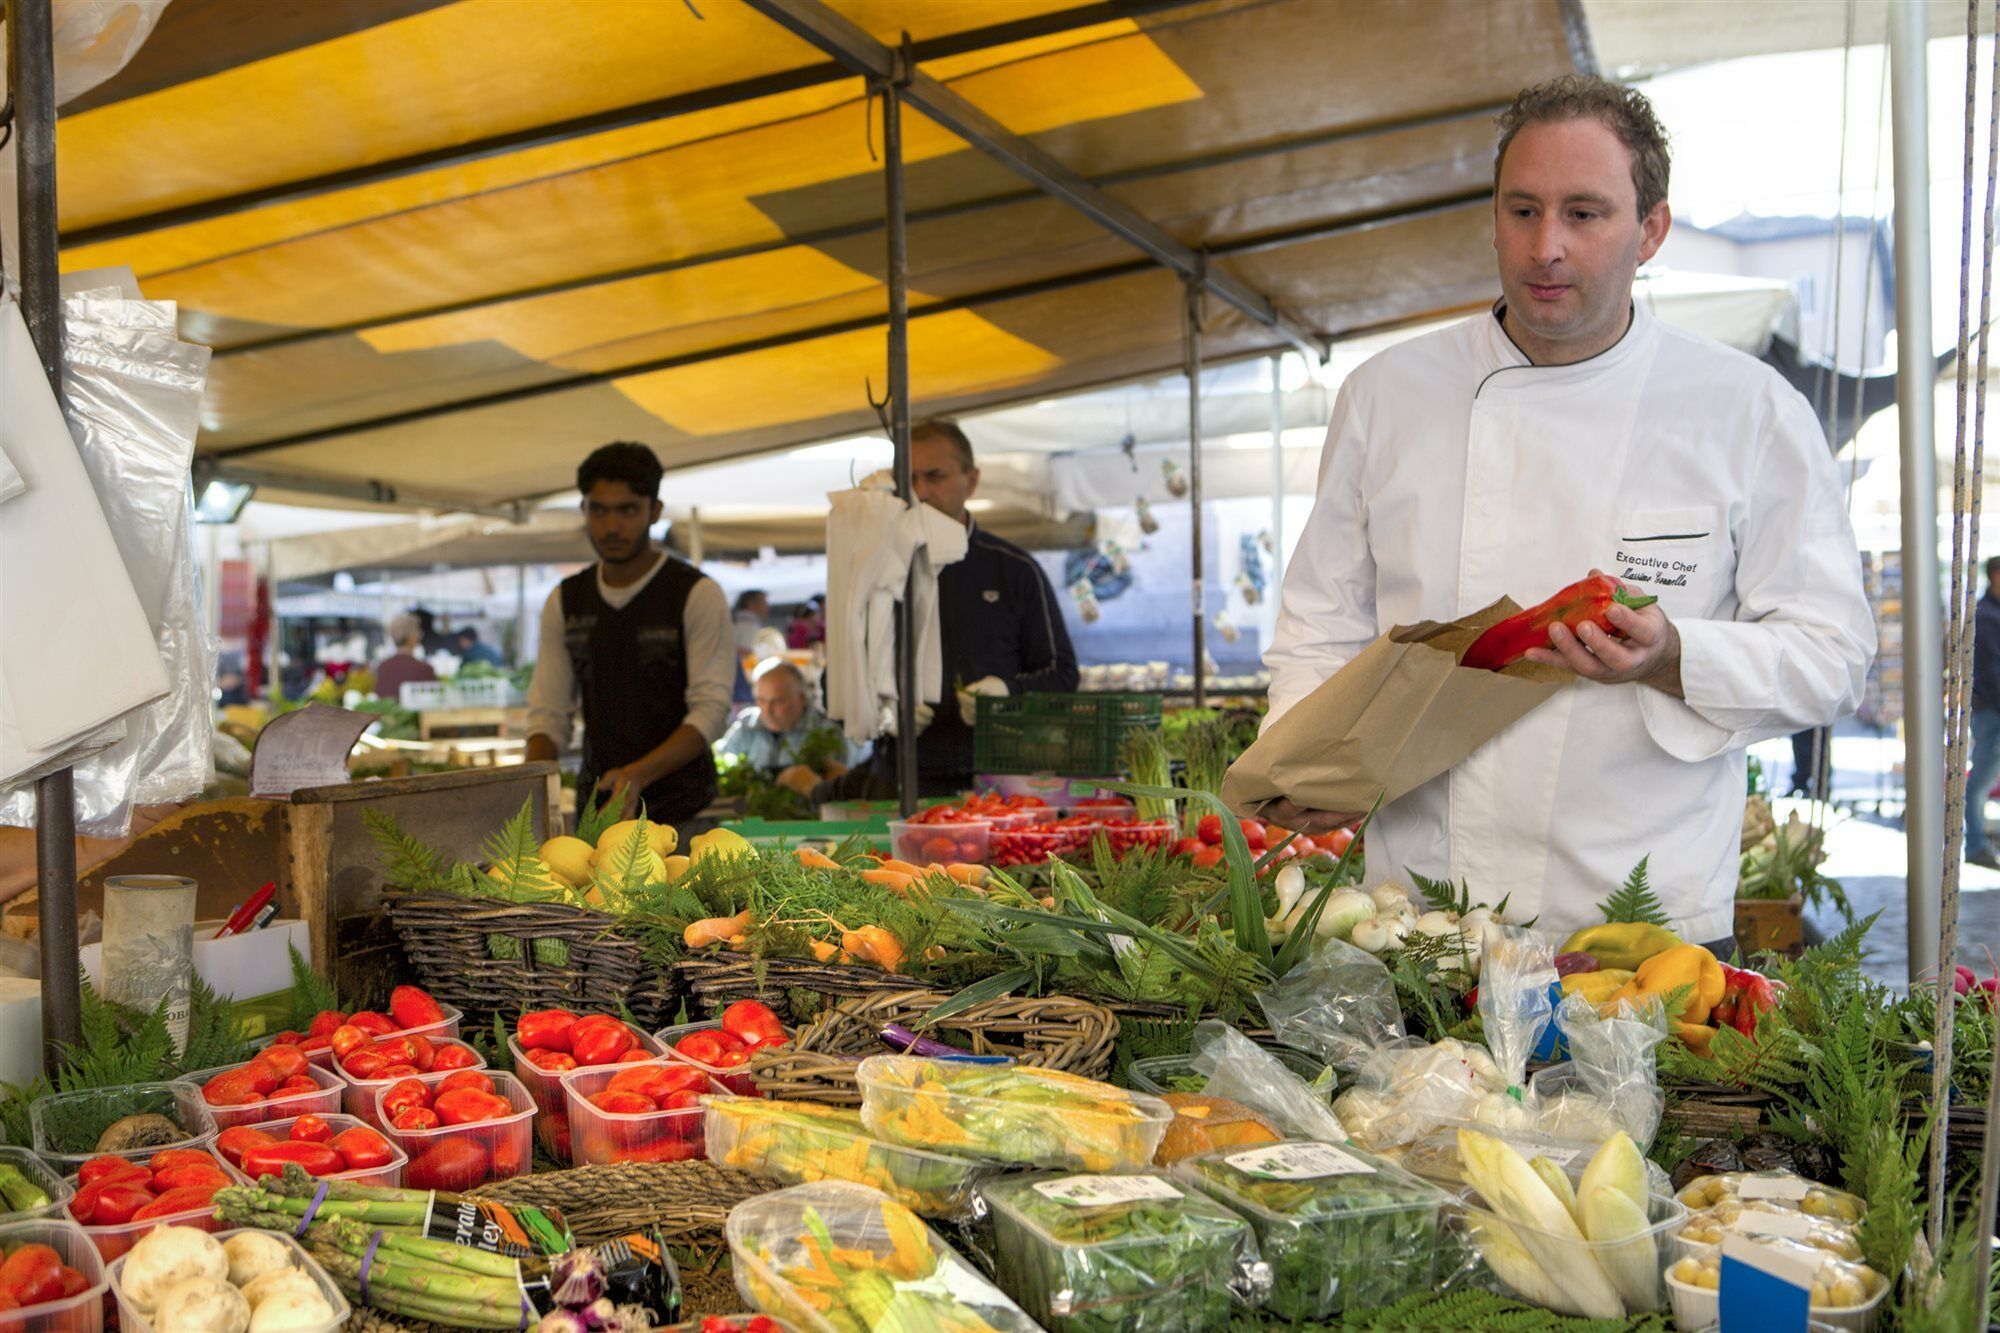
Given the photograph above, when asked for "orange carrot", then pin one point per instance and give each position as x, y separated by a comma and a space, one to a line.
813, 860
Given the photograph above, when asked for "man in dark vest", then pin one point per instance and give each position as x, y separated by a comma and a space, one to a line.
644, 642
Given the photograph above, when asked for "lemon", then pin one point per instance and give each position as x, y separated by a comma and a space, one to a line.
675, 867
721, 842
569, 858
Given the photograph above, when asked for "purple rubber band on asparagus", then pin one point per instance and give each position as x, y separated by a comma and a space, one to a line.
312, 1209
367, 1261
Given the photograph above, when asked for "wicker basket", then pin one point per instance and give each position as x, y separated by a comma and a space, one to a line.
500, 958
797, 990
1075, 1036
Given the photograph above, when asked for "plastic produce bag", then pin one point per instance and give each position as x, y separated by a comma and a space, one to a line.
842, 1258
1242, 1071
1517, 970
1339, 1004
1611, 1081
134, 394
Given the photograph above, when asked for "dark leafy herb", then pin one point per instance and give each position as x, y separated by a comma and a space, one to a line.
1145, 1266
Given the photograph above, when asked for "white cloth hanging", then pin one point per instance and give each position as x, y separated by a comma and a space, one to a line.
76, 651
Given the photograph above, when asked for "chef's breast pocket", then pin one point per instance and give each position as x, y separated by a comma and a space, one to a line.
1682, 556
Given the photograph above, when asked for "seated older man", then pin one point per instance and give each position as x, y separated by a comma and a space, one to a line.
771, 733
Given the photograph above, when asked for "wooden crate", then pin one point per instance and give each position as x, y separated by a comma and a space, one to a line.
317, 850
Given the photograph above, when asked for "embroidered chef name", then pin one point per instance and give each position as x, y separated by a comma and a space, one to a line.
1656, 571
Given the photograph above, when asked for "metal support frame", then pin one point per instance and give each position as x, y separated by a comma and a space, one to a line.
1916, 375
207, 469
32, 82
1277, 579
891, 89
1193, 354
814, 22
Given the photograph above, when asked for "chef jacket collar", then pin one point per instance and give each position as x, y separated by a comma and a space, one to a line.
1500, 354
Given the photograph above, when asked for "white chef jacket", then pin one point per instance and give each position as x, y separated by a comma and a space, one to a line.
1456, 471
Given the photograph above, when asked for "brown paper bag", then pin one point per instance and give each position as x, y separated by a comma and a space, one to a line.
1399, 714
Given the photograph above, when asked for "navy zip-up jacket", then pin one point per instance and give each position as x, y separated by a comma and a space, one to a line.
1986, 654
997, 616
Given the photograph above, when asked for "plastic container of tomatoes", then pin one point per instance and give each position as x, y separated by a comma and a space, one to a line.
963, 842
733, 1078
81, 1313
460, 1157
131, 1321
1125, 834
598, 1136
323, 1101
41, 1177
114, 1238
388, 1174
552, 1114
66, 1125
447, 1026
731, 1323
359, 1098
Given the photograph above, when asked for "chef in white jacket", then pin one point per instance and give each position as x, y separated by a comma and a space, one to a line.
1567, 430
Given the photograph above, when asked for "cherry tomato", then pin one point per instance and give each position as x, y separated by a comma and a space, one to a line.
414, 1008
454, 1163
545, 1030
318, 1159
455, 1056
310, 1129
416, 1117
33, 1273
362, 1149
1208, 858
233, 1142
466, 1078
730, 1041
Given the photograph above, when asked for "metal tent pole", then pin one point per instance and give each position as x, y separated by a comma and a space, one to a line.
1277, 579
1916, 380
31, 80
1193, 353
899, 427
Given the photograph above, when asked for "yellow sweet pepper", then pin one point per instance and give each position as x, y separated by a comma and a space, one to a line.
1625, 944
1683, 965
1598, 986
1695, 1036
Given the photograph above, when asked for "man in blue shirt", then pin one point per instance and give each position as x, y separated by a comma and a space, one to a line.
1985, 720
770, 734
470, 649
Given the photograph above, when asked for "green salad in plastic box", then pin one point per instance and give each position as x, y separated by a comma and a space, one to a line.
1120, 1254
1341, 1229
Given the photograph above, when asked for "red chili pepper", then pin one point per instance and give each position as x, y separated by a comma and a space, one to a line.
1583, 602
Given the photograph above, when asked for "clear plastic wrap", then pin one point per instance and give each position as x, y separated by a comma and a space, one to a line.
1121, 1254
1242, 1071
134, 394
1779, 1187
1027, 1117
1339, 1004
1611, 1081
1841, 1295
836, 1257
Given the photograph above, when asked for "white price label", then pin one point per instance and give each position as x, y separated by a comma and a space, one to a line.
1792, 1226
1782, 1189
1097, 1191
1299, 1161
1555, 1156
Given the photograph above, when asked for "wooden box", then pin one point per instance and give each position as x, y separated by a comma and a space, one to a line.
1776, 925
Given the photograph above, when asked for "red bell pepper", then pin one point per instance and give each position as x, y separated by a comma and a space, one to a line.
1583, 602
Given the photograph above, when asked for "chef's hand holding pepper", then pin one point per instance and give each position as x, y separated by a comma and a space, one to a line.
1648, 654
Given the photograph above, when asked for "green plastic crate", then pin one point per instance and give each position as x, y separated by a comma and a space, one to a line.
769, 833
1071, 734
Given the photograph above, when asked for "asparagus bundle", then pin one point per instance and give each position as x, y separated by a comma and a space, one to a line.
421, 1278
280, 1203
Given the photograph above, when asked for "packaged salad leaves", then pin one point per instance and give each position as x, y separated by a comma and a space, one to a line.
835, 1257
1028, 1117
800, 1142
1121, 1254
1341, 1229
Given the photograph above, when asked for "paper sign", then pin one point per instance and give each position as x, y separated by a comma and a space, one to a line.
1299, 1161
1778, 1189
1763, 1289
307, 748
1097, 1191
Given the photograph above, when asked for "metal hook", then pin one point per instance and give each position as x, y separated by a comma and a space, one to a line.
692, 10
868, 118
881, 406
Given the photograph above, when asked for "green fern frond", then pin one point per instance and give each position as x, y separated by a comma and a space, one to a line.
595, 817
310, 993
406, 862
1635, 900
215, 1035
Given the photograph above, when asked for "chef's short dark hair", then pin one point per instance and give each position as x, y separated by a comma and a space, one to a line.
947, 430
1992, 565
622, 460
1622, 110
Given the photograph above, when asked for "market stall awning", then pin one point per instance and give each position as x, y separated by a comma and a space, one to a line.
450, 247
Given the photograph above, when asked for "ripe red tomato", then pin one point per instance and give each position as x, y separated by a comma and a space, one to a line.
167, 1157
1207, 858
311, 1129
318, 1159
416, 1117
753, 1022
1253, 833
116, 1201
324, 1022
362, 1148
703, 1047
466, 1078
400, 1096
545, 1030
285, 1061
33, 1273
414, 1008
1188, 846
233, 1142
365, 1065
184, 1200
555, 1062
622, 1103
454, 1163
293, 1087
423, 1052
346, 1039
399, 1071
368, 1020
601, 1045
188, 1175
466, 1106
454, 1056
649, 1081
106, 1166
236, 1087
